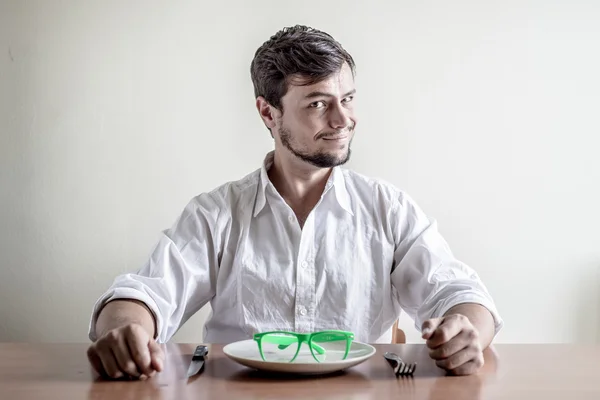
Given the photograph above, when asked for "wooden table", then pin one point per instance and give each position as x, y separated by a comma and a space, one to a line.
61, 371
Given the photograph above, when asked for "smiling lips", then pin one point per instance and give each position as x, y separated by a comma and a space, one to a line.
336, 138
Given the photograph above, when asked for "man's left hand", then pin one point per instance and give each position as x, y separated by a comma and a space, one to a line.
454, 344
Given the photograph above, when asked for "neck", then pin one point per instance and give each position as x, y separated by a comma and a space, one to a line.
299, 183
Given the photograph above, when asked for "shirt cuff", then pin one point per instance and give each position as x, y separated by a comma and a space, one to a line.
124, 293
470, 298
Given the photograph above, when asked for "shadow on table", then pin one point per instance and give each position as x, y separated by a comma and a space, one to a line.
124, 390
262, 376
226, 369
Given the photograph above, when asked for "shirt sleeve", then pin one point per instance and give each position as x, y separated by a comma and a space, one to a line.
426, 278
180, 275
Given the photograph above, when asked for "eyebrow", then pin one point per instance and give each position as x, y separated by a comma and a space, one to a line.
324, 94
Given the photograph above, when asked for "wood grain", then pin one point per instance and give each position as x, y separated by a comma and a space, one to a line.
61, 371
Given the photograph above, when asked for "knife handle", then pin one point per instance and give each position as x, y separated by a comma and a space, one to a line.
200, 353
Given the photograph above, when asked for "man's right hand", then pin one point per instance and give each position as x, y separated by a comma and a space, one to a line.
126, 352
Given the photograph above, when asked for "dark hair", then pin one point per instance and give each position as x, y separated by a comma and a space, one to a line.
295, 51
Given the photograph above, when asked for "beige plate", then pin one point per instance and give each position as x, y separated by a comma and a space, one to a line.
246, 353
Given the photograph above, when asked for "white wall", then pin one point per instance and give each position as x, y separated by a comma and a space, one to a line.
113, 114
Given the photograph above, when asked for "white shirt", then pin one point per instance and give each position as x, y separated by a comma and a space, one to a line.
365, 253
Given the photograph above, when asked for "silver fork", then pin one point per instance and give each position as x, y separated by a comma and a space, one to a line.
400, 367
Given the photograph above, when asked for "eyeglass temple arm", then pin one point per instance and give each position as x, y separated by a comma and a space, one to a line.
284, 342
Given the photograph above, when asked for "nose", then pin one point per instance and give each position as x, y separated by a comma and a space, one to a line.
340, 117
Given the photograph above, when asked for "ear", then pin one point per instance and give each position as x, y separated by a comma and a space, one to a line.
267, 112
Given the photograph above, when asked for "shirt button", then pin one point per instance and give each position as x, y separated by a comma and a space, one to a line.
304, 264
302, 310
291, 218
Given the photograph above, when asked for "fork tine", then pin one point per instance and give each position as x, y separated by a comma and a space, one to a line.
400, 369
406, 369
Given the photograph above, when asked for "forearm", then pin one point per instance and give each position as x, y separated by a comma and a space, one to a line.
480, 318
122, 312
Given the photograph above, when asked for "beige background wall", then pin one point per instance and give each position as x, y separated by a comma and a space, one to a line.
113, 114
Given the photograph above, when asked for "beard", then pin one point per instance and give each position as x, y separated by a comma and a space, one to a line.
319, 159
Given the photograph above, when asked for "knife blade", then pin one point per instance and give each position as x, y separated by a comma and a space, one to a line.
197, 363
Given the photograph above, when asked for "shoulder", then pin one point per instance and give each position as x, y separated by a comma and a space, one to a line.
392, 206
381, 190
231, 192
211, 211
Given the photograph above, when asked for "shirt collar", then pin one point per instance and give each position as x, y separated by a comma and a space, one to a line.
263, 181
336, 180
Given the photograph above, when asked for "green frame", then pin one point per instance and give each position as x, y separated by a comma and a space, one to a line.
293, 337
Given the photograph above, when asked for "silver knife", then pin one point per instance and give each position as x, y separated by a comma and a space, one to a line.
197, 363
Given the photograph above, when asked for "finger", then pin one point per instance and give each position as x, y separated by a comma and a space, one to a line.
429, 327
150, 375
157, 355
138, 349
456, 360
124, 359
470, 367
95, 360
453, 346
109, 363
448, 329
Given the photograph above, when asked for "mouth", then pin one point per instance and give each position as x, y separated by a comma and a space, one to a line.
336, 138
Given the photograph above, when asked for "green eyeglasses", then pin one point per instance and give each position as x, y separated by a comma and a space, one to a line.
283, 346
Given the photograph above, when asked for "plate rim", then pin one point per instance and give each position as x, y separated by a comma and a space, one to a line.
371, 353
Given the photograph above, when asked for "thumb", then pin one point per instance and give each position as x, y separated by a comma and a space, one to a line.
429, 327
156, 355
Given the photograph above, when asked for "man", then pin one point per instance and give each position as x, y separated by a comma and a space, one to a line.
300, 244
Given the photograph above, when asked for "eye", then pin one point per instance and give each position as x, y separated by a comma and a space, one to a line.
317, 104
348, 99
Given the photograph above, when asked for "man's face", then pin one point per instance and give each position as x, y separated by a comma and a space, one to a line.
318, 121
